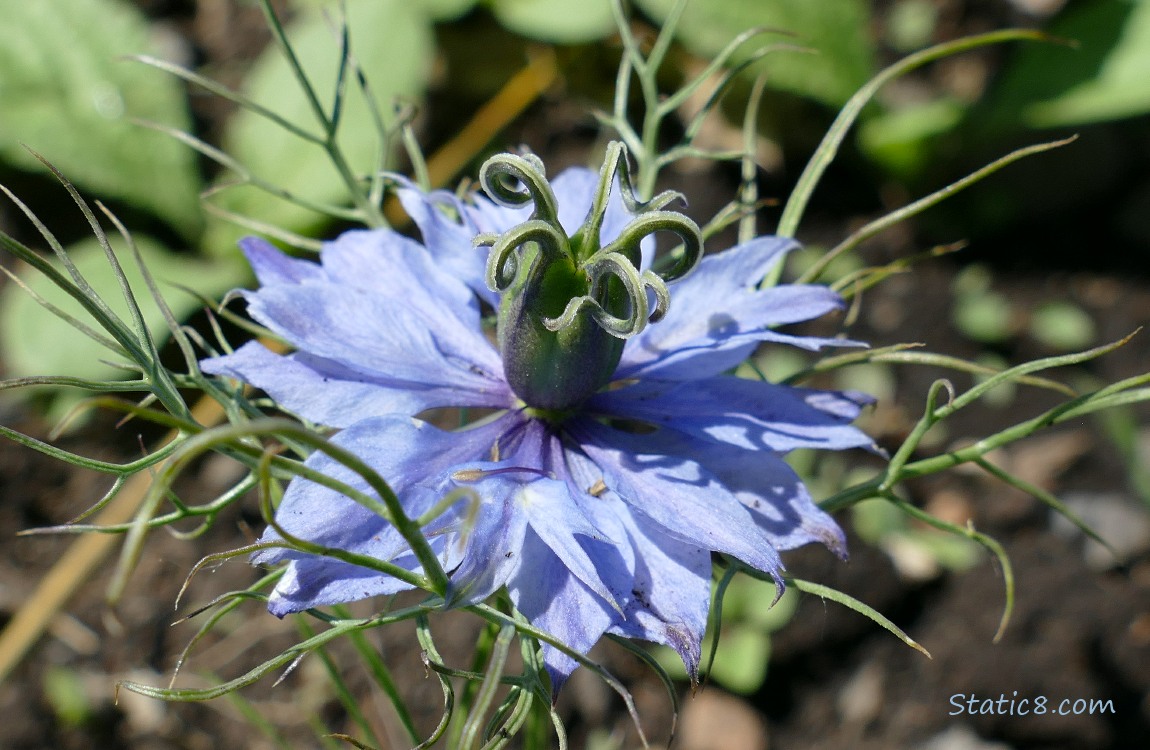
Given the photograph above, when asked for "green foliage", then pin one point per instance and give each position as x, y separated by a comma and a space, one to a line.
64, 691
981, 313
561, 21
836, 31
392, 43
1062, 326
750, 614
37, 342
67, 94
902, 140
1104, 77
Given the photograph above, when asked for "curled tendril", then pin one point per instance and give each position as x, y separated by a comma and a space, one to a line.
503, 262
663, 221
615, 162
658, 287
500, 172
515, 181
599, 268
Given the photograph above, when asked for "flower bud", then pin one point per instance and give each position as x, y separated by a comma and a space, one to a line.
568, 303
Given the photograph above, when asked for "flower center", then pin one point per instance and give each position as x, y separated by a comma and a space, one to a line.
570, 303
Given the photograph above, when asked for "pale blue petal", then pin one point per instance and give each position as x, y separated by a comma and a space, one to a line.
718, 316
493, 542
387, 263
387, 340
317, 581
272, 266
449, 241
763, 482
556, 518
677, 494
554, 600
415, 459
746, 413
670, 591
328, 393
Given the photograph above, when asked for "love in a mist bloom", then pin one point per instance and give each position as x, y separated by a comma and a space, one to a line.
615, 455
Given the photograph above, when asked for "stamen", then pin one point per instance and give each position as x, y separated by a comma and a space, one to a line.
474, 475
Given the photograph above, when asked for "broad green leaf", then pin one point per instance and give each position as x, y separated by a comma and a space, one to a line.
36, 342
560, 21
393, 44
1105, 77
838, 31
66, 92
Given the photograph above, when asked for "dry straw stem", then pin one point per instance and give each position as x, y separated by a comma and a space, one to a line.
88, 551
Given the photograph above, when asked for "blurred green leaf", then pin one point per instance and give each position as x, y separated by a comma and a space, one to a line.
983, 317
741, 663
65, 693
559, 21
1062, 326
981, 313
1106, 77
393, 43
36, 342
902, 140
66, 93
911, 24
838, 31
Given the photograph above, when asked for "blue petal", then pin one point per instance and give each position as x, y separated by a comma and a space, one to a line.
556, 518
387, 340
718, 316
328, 393
415, 459
677, 494
450, 242
746, 413
316, 581
493, 543
671, 591
763, 482
553, 599
274, 267
386, 262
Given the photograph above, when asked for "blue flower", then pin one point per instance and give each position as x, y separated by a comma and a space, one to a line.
598, 510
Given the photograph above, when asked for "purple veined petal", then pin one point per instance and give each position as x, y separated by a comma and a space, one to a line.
328, 393
414, 458
676, 493
272, 266
718, 315
449, 241
384, 338
751, 414
553, 599
671, 591
548, 505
